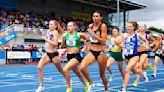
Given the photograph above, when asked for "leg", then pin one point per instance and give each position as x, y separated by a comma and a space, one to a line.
156, 64
146, 65
57, 62
109, 63
79, 74
129, 67
120, 67
102, 61
88, 59
43, 61
142, 60
72, 63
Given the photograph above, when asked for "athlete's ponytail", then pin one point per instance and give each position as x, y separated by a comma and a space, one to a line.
135, 24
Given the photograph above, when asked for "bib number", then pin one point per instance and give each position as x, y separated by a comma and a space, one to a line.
71, 42
128, 50
112, 44
159, 51
92, 39
141, 43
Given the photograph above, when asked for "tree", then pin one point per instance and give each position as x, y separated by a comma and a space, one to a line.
156, 30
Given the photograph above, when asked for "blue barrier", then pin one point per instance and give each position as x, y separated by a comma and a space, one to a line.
2, 55
36, 54
7, 38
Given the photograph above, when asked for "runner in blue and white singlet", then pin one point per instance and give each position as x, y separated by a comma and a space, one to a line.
130, 40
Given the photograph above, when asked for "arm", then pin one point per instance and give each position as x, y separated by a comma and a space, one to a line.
151, 38
84, 48
103, 37
157, 45
83, 36
120, 39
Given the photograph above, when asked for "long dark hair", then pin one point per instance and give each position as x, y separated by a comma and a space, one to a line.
101, 15
117, 28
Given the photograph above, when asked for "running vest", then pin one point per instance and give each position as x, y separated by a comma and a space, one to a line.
159, 51
50, 36
141, 42
93, 40
130, 46
114, 47
72, 41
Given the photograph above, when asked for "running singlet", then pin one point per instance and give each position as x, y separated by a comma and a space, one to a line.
114, 47
159, 51
141, 42
72, 41
50, 36
93, 40
130, 46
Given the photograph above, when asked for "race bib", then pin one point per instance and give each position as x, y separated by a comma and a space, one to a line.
112, 44
71, 42
141, 43
128, 50
92, 39
159, 51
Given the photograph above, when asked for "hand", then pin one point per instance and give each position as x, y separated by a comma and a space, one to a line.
44, 38
90, 31
125, 36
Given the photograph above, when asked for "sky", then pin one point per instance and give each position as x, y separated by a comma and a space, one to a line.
152, 15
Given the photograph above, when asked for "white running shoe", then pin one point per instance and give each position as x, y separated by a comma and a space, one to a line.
111, 77
154, 75
91, 87
145, 76
40, 89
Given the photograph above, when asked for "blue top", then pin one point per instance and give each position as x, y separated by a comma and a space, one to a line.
130, 46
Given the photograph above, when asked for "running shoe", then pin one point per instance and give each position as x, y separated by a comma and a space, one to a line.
86, 87
91, 87
154, 75
111, 77
150, 67
145, 77
135, 84
69, 89
40, 89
